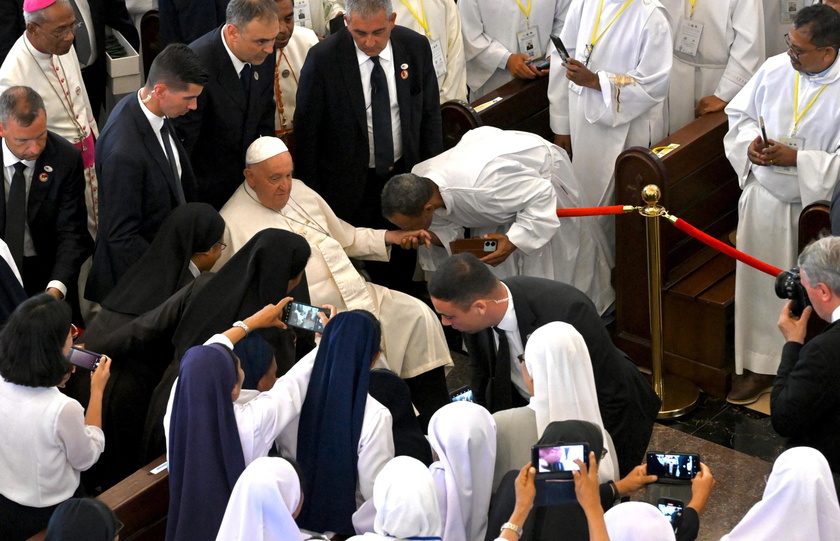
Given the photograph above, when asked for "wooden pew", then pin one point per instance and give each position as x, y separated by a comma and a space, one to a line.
523, 107
699, 186
141, 503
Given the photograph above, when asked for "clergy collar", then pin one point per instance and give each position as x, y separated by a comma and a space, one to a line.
10, 159
827, 76
387, 54
237, 64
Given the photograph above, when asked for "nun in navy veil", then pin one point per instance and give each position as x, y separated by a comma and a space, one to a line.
344, 436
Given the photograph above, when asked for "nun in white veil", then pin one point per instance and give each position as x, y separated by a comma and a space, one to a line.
263, 504
799, 502
638, 521
406, 503
463, 435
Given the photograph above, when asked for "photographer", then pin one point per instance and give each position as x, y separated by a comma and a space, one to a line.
805, 401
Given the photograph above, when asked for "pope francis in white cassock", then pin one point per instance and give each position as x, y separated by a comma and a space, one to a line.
413, 341
619, 47
718, 46
495, 29
512, 183
798, 95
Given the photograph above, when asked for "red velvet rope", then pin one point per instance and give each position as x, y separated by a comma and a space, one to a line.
592, 211
686, 227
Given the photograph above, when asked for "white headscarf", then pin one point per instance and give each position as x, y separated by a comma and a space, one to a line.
261, 505
405, 501
463, 435
564, 385
638, 521
799, 502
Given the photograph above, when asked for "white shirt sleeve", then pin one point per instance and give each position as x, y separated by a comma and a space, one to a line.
82, 443
376, 445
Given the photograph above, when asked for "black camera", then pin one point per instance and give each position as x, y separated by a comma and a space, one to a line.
789, 286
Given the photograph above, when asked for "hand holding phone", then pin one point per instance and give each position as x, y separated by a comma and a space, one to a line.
84, 358
672, 510
303, 316
550, 459
681, 466
561, 49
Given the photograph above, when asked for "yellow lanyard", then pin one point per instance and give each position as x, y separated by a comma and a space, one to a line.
797, 116
422, 21
595, 35
527, 12
693, 3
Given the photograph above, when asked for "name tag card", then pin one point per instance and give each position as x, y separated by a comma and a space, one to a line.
437, 58
529, 42
688, 37
303, 14
795, 143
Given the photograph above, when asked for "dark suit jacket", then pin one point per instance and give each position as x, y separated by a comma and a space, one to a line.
56, 212
11, 25
627, 402
805, 401
137, 191
103, 13
184, 21
217, 133
331, 135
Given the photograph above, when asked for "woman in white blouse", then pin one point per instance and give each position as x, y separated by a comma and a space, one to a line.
47, 438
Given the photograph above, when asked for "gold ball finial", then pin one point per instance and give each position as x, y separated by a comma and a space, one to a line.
651, 195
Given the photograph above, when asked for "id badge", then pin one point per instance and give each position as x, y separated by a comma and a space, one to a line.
788, 10
303, 15
795, 143
529, 42
688, 37
437, 58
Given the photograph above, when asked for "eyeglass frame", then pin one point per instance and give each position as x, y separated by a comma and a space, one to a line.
794, 53
59, 35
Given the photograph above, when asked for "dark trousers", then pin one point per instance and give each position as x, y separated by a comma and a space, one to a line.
429, 394
20, 522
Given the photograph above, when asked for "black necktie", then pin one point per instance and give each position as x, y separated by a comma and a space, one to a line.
245, 77
16, 214
170, 157
383, 144
500, 398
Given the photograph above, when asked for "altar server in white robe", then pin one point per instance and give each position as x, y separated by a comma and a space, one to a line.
778, 16
797, 94
44, 59
413, 341
291, 47
439, 21
718, 46
501, 35
508, 185
610, 95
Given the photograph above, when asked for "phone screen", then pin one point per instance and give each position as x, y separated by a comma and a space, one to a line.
463, 394
673, 465
558, 458
671, 509
561, 49
83, 358
303, 316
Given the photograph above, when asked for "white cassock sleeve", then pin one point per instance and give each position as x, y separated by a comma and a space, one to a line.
484, 53
818, 174
622, 100
358, 242
746, 53
743, 128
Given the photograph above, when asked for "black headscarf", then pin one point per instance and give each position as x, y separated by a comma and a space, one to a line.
164, 268
11, 291
82, 519
256, 275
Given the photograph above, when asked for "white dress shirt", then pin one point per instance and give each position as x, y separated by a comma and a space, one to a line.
157, 124
386, 60
510, 325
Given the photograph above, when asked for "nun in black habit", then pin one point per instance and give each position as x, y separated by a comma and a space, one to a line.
265, 270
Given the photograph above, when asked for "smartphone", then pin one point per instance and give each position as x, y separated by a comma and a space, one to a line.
549, 459
477, 246
558, 44
682, 466
540, 63
303, 316
671, 508
764, 138
84, 358
464, 394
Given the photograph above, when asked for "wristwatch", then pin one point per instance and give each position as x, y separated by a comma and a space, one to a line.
241, 325
511, 526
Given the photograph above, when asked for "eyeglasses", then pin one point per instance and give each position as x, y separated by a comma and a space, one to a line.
795, 54
61, 32
120, 526
521, 358
222, 244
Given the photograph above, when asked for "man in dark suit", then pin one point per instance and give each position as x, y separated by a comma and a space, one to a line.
237, 105
143, 170
472, 300
339, 151
43, 218
184, 21
805, 400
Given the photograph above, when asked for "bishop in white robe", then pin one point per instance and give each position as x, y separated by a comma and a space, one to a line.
512, 183
773, 195
495, 29
439, 21
627, 108
718, 46
58, 80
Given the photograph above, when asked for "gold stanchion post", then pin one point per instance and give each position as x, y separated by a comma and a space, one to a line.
679, 396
